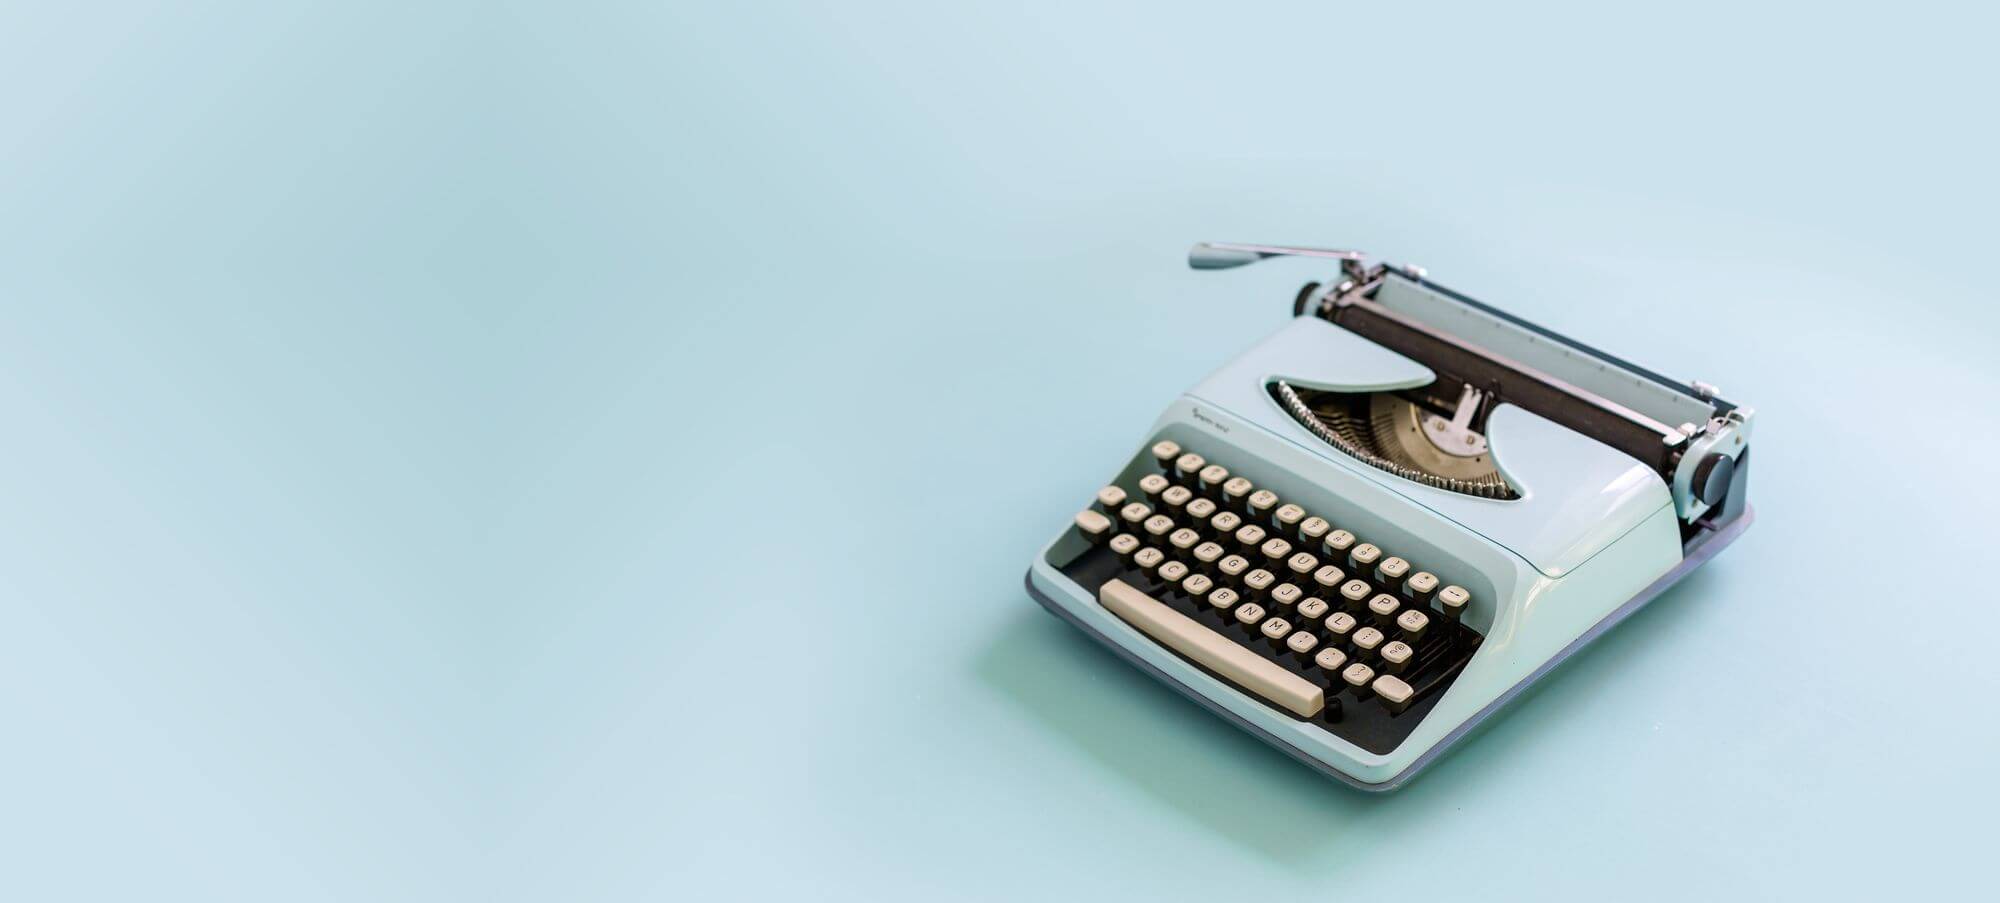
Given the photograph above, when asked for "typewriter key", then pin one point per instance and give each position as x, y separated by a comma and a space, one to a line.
1093, 525
1110, 499
1153, 485
1165, 451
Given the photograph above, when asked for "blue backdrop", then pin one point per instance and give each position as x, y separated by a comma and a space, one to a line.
554, 451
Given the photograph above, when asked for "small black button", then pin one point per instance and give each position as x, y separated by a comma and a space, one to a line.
1712, 476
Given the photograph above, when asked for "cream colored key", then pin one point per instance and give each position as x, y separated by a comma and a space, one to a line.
1250, 536
1112, 498
1183, 539
1234, 490
1259, 580
1392, 569
1287, 518
1232, 566
1276, 628
1396, 655
1125, 544
1153, 485
1207, 553
1212, 477
1358, 675
1201, 509
1394, 692
1454, 599
1384, 606
1328, 579
1331, 659
1302, 642
1223, 597
1301, 564
1312, 609
1189, 464
1286, 594
1176, 496
1159, 525
1135, 514
1249, 613
1261, 503
1367, 638
1413, 623
1340, 623
1276, 549
1226, 522
1354, 590
1313, 530
1166, 450
1420, 585
1094, 526
1336, 545
1196, 585
1148, 558
1172, 572
1219, 654
1364, 556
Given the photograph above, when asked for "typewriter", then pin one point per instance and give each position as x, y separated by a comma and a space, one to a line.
1376, 527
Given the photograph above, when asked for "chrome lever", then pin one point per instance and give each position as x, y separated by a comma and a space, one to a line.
1215, 255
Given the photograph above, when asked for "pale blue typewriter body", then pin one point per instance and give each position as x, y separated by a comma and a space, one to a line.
1591, 533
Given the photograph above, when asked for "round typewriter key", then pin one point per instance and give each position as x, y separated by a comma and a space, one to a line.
1196, 585
1125, 544
1286, 594
1206, 555
1287, 517
1111, 498
1354, 591
1135, 514
1328, 579
1396, 656
1412, 623
1172, 572
1302, 642
1094, 526
1363, 557
1312, 609
1261, 503
1165, 451
1176, 496
1153, 485
1277, 629
1226, 523
1212, 477
1358, 675
1453, 600
1234, 490
1148, 558
1223, 598
1231, 568
1159, 525
1313, 530
1200, 509
1340, 623
1250, 536
1186, 466
1331, 659
1367, 638
1249, 613
1392, 570
1383, 607
1301, 564
1336, 545
1183, 539
1258, 582
1276, 549
1420, 586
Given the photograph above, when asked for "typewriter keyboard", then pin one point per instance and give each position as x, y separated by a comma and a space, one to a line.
1286, 605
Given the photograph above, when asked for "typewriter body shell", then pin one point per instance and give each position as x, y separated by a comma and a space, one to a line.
1591, 533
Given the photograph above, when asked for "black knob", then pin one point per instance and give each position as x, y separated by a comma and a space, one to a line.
1712, 476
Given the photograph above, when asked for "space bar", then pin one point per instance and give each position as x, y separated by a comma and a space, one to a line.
1212, 650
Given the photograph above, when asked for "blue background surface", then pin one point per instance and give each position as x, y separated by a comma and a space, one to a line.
512, 451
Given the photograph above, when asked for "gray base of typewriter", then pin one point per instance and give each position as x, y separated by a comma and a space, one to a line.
1695, 555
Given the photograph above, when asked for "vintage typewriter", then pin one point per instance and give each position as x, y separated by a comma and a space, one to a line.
1377, 526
